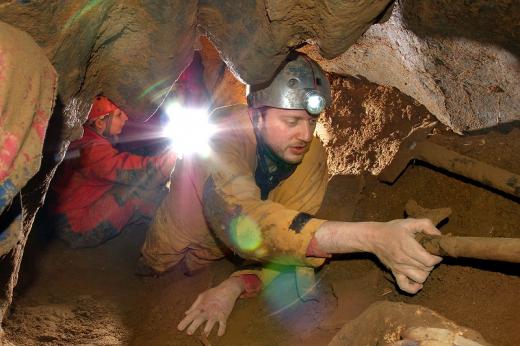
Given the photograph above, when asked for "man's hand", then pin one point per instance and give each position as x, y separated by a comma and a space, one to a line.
212, 306
395, 245
392, 242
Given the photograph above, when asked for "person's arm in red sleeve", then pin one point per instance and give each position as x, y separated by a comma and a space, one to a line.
105, 162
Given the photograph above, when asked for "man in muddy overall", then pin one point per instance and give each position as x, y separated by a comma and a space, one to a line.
256, 194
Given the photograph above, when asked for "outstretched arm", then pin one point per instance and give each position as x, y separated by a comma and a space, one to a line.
392, 242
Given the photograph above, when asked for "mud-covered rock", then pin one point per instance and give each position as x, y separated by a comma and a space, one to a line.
388, 323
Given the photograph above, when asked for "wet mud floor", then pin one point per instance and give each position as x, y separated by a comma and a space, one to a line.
92, 296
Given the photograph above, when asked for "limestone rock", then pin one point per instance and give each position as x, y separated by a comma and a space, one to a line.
458, 59
255, 36
132, 51
387, 323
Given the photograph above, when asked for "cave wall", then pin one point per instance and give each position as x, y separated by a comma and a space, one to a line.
133, 51
254, 37
366, 124
220, 82
130, 50
460, 59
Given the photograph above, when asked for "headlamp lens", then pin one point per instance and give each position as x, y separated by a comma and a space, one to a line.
314, 103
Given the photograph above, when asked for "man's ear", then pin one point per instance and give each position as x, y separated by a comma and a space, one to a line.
99, 124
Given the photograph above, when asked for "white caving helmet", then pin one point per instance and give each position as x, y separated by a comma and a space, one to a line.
299, 84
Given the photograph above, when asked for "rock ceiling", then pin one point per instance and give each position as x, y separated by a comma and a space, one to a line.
458, 58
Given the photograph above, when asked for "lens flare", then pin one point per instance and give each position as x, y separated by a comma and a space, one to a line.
160, 89
188, 129
245, 234
280, 294
285, 304
89, 6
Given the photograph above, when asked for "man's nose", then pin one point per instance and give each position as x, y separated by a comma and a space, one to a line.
306, 131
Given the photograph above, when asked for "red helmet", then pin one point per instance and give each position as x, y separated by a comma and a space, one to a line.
101, 107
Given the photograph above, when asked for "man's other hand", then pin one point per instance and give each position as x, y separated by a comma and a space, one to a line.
212, 306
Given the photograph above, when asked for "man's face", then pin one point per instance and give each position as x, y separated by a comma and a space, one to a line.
287, 132
119, 119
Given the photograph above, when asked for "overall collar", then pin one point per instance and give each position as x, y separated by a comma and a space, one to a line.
270, 168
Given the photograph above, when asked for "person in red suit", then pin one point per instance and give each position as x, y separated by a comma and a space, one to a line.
99, 189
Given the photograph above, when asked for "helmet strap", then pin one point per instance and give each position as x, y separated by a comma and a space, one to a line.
255, 115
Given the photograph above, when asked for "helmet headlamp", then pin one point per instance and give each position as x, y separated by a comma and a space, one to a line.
299, 84
314, 102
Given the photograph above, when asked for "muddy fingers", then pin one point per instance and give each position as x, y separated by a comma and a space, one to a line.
212, 306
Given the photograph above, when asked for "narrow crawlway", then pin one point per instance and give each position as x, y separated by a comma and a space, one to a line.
92, 296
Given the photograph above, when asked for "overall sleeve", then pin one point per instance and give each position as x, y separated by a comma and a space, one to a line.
28, 85
104, 162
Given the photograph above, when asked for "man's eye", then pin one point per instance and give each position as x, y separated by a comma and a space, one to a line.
291, 122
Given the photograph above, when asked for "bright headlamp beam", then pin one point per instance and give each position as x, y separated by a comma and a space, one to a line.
188, 129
